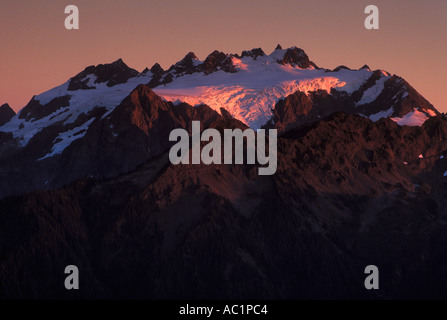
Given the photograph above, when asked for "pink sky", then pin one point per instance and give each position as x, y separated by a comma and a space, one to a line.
38, 53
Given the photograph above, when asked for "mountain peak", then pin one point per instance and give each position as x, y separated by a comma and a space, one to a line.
342, 67
295, 56
113, 73
186, 65
254, 53
157, 69
190, 56
145, 71
119, 62
6, 113
218, 60
278, 47
188, 60
365, 67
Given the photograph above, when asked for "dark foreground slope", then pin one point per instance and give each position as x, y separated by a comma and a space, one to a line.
136, 130
342, 198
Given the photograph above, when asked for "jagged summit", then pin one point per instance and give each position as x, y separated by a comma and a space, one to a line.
118, 72
187, 61
254, 53
365, 67
6, 114
229, 63
296, 57
144, 72
156, 69
186, 65
119, 63
190, 56
112, 74
340, 68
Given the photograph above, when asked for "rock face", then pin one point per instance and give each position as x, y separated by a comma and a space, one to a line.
6, 114
342, 198
296, 57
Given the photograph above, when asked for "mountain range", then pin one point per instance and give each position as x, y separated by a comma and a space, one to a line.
85, 179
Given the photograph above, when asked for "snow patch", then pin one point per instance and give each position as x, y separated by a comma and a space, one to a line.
373, 93
382, 114
430, 112
414, 118
64, 139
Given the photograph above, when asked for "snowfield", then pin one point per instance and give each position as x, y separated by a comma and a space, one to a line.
251, 93
415, 118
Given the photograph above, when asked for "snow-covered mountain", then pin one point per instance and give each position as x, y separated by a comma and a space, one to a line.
284, 89
354, 185
247, 86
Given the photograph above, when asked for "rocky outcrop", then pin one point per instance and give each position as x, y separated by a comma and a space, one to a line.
186, 65
341, 68
157, 69
215, 61
218, 61
296, 57
34, 110
253, 53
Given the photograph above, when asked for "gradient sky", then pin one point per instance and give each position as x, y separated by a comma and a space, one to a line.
38, 53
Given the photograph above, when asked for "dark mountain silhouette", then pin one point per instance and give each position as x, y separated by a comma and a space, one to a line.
342, 198
6, 114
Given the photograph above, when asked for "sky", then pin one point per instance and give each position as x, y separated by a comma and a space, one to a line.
38, 53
